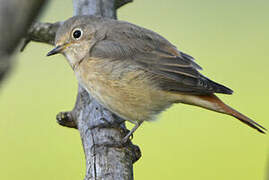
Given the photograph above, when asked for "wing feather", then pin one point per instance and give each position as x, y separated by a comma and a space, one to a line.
175, 70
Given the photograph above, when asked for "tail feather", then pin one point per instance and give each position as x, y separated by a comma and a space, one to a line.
212, 102
245, 119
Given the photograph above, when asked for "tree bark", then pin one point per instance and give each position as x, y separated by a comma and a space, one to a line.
100, 130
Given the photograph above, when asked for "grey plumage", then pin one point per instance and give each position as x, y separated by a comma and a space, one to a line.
176, 70
134, 72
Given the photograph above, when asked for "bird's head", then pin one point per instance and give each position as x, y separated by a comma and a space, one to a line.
73, 38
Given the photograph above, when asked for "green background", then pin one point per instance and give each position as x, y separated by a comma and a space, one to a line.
229, 40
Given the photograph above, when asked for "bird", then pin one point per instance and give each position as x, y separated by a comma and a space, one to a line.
136, 73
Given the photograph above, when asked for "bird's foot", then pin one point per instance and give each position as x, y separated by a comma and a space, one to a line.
128, 137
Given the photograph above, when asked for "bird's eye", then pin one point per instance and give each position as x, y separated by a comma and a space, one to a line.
77, 33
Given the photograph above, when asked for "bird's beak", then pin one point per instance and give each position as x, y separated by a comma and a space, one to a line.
57, 49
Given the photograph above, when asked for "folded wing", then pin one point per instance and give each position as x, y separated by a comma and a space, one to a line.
174, 70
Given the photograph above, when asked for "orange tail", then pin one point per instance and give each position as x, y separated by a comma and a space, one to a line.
212, 102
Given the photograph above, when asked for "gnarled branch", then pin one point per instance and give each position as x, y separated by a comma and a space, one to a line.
100, 130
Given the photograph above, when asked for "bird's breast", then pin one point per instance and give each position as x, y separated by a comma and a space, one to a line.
123, 88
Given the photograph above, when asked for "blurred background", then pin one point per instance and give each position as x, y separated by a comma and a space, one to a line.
228, 38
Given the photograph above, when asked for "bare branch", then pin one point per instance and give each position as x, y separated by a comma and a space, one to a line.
41, 32
15, 18
45, 32
101, 131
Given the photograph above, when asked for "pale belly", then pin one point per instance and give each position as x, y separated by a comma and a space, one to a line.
129, 94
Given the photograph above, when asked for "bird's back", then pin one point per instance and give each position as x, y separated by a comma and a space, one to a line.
175, 70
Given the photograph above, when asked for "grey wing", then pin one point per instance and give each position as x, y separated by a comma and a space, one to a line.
173, 70
179, 74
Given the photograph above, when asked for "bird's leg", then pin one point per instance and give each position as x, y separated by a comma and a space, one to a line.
126, 138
